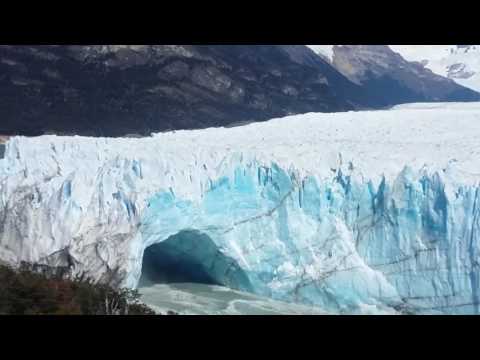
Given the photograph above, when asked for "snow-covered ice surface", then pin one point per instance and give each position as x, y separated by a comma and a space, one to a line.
348, 211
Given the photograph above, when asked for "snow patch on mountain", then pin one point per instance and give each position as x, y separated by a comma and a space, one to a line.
325, 50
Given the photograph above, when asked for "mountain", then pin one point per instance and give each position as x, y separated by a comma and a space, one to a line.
117, 90
460, 63
390, 79
121, 90
345, 211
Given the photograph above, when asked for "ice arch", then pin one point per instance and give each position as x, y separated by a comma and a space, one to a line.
234, 216
191, 256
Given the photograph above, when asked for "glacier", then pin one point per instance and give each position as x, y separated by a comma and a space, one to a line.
343, 212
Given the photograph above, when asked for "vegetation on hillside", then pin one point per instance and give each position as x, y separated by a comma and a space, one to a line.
30, 290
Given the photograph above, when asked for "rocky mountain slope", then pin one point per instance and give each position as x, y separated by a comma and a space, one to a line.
119, 90
116, 90
460, 63
389, 78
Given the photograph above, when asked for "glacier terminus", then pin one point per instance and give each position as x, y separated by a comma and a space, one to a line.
345, 212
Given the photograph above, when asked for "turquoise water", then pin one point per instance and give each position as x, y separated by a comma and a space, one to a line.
201, 299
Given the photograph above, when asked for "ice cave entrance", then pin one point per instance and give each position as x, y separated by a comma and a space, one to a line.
191, 257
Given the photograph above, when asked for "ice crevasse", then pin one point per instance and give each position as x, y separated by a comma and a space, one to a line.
376, 209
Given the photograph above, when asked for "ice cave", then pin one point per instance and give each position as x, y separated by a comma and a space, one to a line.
191, 257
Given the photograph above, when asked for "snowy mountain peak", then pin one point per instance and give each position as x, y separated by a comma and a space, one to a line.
460, 63
397, 74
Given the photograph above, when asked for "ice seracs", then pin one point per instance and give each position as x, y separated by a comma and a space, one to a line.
343, 211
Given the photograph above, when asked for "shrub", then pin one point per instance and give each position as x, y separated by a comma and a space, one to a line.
35, 289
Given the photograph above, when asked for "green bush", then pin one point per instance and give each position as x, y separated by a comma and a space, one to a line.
33, 289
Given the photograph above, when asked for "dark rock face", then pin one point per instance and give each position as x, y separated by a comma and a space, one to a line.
118, 90
389, 79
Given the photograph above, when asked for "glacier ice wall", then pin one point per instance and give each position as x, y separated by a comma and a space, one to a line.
342, 211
